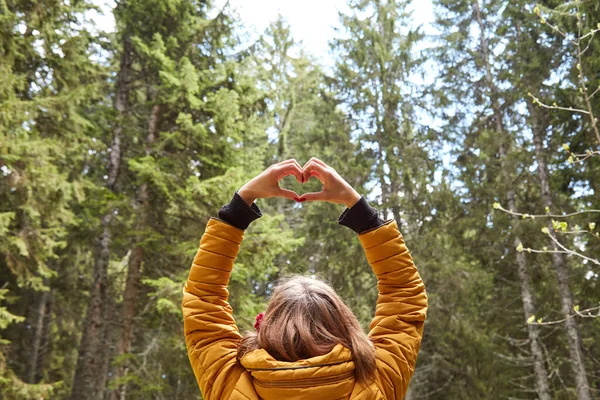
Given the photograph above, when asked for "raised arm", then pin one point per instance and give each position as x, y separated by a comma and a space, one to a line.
210, 331
397, 328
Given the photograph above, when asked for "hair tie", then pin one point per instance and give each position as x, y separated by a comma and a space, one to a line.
259, 319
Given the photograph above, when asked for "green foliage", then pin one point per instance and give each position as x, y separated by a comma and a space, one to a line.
6, 317
200, 117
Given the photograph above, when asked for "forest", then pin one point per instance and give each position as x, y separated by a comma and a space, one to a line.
482, 140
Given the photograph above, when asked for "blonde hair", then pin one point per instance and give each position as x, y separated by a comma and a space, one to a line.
306, 318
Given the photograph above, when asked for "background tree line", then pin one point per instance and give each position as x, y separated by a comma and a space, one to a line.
482, 141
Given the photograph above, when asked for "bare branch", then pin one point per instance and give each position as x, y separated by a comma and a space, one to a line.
572, 252
590, 33
498, 206
556, 107
595, 235
587, 313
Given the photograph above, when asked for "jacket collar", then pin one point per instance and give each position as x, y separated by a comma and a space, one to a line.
324, 377
260, 360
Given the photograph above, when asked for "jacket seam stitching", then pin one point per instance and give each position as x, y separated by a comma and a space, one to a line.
209, 267
300, 367
228, 224
237, 390
392, 237
207, 232
388, 257
219, 254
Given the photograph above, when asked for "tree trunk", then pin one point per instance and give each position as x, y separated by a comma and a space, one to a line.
559, 264
86, 380
533, 332
388, 129
40, 337
539, 368
45, 339
382, 184
89, 382
134, 268
106, 342
409, 393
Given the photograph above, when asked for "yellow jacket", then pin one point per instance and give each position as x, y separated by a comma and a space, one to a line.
212, 336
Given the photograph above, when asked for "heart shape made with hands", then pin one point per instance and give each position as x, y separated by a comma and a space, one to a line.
304, 185
335, 188
266, 184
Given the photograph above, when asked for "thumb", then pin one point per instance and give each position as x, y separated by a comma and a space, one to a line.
288, 194
314, 196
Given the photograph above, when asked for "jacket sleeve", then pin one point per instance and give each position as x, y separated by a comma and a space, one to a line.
397, 328
210, 331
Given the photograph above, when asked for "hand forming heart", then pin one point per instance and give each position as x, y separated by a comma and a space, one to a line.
266, 184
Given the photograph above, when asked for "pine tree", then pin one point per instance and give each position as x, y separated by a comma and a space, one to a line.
375, 64
48, 82
491, 127
546, 58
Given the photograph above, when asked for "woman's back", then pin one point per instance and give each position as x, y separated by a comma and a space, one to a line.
330, 376
213, 339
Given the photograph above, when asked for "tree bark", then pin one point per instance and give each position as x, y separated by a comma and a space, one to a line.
559, 263
88, 381
388, 131
533, 331
40, 337
541, 375
134, 267
45, 339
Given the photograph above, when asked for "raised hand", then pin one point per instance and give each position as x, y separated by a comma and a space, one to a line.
266, 184
335, 188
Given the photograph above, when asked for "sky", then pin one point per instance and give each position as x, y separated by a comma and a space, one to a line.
312, 22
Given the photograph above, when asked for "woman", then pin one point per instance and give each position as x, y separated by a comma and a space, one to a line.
309, 345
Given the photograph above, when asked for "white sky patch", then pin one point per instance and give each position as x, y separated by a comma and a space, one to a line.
103, 19
312, 22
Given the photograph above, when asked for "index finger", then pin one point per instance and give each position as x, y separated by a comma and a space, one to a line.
284, 170
313, 168
315, 159
290, 161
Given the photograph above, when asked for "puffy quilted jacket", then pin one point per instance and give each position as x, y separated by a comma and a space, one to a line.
212, 336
